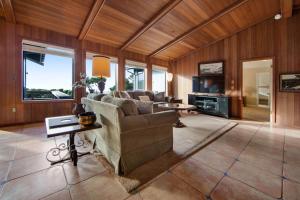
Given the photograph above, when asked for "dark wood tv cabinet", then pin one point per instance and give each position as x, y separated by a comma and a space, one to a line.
218, 105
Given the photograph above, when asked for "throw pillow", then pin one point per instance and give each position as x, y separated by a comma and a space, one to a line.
107, 99
144, 98
95, 96
144, 107
127, 106
159, 97
124, 94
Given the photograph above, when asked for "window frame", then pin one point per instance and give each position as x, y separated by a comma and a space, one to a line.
164, 69
137, 65
32, 42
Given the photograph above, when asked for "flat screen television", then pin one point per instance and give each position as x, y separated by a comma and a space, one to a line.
209, 84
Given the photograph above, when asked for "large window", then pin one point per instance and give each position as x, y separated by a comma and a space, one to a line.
110, 83
47, 71
134, 75
159, 79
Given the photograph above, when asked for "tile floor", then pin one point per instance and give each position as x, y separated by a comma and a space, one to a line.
251, 161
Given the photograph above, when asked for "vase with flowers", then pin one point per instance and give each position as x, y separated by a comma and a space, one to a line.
89, 82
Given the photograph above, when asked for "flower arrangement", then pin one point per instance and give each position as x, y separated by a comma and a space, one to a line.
86, 81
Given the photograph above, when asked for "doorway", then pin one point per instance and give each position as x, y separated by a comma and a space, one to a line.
257, 90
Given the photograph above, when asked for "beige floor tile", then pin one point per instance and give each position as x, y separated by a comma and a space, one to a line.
28, 165
291, 172
87, 167
16, 129
102, 186
240, 135
262, 162
247, 127
291, 190
32, 147
230, 189
39, 128
231, 150
35, 186
169, 187
233, 141
292, 157
291, 148
261, 180
271, 143
214, 159
265, 151
292, 137
271, 134
10, 134
198, 175
7, 152
292, 141
36, 131
4, 168
61, 195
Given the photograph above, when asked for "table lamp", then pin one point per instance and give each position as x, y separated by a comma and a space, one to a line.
101, 69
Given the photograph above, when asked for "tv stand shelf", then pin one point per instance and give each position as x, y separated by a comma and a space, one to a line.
214, 105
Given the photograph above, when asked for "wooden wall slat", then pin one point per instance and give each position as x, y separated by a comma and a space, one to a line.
7, 73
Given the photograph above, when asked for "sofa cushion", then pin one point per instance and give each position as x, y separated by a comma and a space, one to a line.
131, 94
144, 98
159, 97
138, 93
124, 94
107, 99
95, 96
150, 94
128, 106
144, 107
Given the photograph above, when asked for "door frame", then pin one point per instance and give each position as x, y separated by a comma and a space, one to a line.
273, 91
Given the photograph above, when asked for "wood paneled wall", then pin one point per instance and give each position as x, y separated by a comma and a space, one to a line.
279, 40
11, 71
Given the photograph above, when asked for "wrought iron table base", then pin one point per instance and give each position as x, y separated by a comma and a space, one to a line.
71, 147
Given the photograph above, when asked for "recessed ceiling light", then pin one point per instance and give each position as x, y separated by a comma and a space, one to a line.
277, 16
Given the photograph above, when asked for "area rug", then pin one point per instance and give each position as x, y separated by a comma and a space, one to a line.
200, 130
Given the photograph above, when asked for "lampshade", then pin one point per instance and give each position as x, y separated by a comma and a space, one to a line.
101, 66
169, 77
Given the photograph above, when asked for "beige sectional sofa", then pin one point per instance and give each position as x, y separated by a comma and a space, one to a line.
128, 141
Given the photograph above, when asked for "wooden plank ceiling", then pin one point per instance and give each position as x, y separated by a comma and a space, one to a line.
165, 29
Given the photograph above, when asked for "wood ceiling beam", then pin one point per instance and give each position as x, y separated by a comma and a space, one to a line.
194, 29
286, 8
98, 5
8, 11
160, 14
